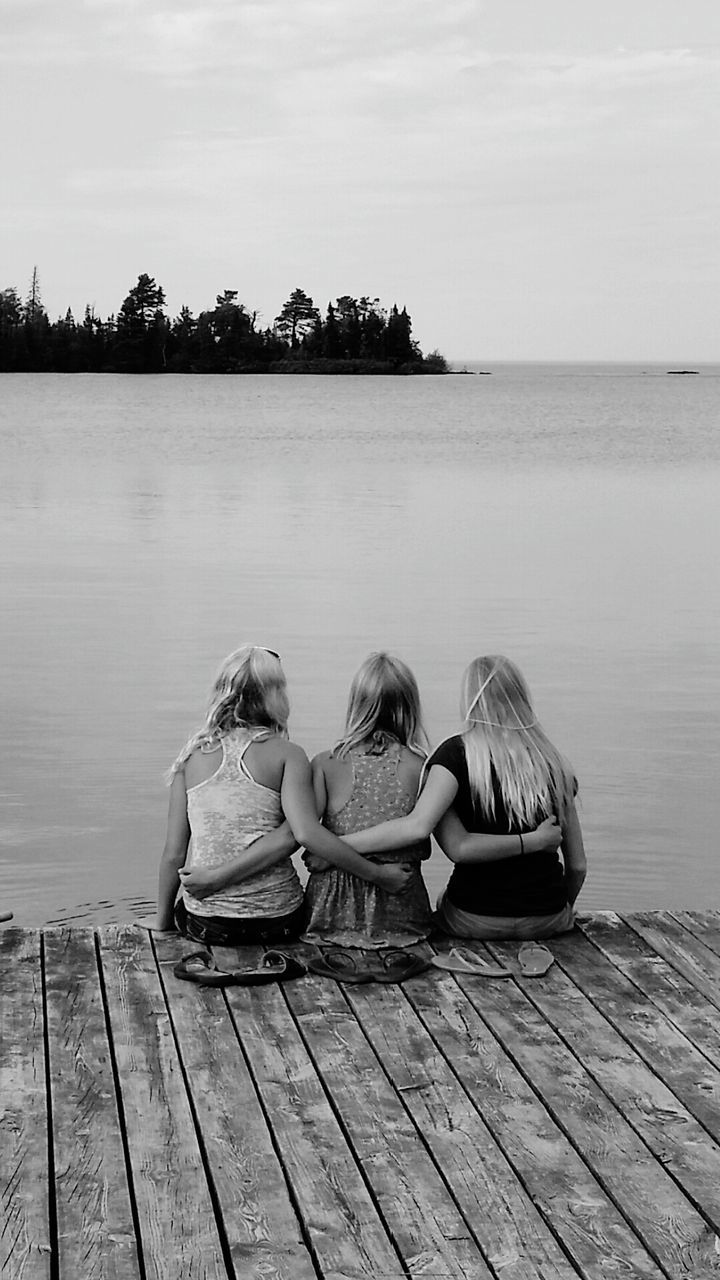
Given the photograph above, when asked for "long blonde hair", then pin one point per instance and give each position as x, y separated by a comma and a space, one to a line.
249, 692
384, 702
502, 738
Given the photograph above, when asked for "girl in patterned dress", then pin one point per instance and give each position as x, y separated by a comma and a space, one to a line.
371, 775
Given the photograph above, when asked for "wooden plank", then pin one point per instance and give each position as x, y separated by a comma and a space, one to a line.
662, 1211
684, 1072
25, 1239
339, 1216
603, 1081
430, 1233
263, 1231
592, 1230
509, 1229
678, 999
96, 1233
705, 925
179, 1234
687, 953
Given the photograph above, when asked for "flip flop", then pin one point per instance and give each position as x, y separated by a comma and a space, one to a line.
463, 961
399, 965
200, 967
5, 915
341, 965
275, 966
535, 959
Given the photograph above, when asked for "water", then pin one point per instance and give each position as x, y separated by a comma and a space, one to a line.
566, 516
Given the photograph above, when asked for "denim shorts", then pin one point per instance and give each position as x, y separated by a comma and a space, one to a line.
464, 924
226, 931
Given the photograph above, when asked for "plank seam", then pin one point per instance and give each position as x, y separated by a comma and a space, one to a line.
692, 933
212, 1190
275, 1146
428, 1150
677, 964
554, 1115
52, 1199
574, 1262
649, 995
405, 1268
120, 1107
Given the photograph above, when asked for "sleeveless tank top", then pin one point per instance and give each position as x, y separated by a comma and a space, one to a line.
227, 813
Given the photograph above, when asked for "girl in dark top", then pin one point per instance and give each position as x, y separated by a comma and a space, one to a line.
501, 800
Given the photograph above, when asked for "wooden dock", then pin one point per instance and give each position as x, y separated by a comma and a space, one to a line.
520, 1129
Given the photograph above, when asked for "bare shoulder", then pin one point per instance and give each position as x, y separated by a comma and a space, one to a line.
412, 763
324, 762
292, 753
201, 765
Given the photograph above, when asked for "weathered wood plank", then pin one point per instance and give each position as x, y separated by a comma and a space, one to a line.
339, 1216
25, 1240
509, 1229
679, 1069
705, 925
663, 1215
430, 1233
687, 953
262, 1228
179, 1234
96, 1233
603, 1081
678, 999
573, 1202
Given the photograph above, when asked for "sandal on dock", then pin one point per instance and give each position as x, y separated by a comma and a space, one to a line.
459, 960
398, 965
535, 959
200, 967
341, 965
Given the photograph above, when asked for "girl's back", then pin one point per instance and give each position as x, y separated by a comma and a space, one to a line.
229, 805
371, 783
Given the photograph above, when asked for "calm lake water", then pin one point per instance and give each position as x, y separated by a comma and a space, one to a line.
566, 516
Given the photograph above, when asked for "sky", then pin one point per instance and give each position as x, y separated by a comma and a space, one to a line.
533, 179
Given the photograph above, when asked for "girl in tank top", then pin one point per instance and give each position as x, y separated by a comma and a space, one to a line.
241, 797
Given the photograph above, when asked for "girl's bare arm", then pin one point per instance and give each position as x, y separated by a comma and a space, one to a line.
264, 852
461, 845
573, 852
173, 855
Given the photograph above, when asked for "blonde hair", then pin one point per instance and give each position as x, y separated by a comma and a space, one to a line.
384, 702
504, 741
249, 692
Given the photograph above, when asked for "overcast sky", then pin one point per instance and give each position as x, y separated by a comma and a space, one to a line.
534, 179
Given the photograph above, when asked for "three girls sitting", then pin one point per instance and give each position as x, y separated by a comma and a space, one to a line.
498, 797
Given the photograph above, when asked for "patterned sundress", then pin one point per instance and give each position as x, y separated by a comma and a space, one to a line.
347, 911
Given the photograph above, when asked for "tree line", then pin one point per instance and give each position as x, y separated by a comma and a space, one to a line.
356, 335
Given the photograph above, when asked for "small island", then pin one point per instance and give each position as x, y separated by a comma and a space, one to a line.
356, 335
